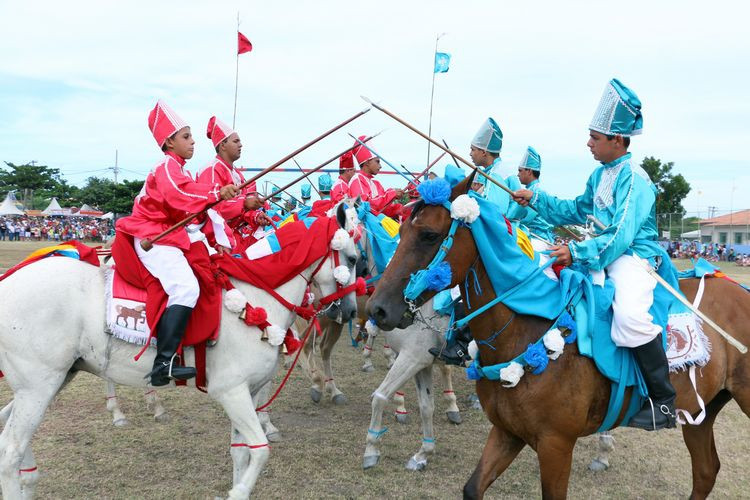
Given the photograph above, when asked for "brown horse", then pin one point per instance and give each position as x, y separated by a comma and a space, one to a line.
550, 411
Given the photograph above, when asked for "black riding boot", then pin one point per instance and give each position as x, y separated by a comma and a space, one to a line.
456, 353
169, 334
658, 412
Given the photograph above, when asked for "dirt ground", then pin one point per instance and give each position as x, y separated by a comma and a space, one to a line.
81, 455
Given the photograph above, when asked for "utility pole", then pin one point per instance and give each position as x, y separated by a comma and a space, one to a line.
116, 169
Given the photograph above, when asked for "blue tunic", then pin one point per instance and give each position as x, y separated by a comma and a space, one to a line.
498, 196
622, 197
535, 222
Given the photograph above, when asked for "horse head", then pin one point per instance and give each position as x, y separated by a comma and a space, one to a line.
340, 269
421, 236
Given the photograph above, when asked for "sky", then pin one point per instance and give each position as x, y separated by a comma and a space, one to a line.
78, 80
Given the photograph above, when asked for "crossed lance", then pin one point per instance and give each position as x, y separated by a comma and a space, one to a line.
734, 342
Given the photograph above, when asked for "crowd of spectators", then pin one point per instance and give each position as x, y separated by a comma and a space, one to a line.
712, 252
55, 228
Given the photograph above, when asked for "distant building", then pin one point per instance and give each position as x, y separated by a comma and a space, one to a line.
731, 229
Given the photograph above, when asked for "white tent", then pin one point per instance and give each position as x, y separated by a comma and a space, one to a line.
9, 206
54, 208
691, 235
108, 215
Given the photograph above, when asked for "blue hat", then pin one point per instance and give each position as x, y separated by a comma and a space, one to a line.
531, 160
306, 191
489, 137
454, 174
292, 202
619, 111
275, 193
325, 183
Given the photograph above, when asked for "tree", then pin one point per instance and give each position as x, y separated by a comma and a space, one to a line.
672, 188
107, 196
27, 179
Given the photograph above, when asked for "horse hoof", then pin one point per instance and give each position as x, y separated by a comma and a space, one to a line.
274, 437
473, 401
315, 395
402, 418
413, 464
339, 399
162, 418
597, 465
121, 422
370, 461
454, 417
368, 368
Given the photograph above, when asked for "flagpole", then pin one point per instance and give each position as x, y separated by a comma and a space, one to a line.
236, 72
432, 97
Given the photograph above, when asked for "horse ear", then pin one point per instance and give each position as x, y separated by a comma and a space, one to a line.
464, 186
341, 216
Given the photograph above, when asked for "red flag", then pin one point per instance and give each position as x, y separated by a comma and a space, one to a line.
243, 44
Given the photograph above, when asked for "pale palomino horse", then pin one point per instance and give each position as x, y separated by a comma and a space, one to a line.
66, 335
413, 361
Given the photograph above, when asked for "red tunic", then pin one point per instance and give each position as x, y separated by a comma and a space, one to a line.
242, 222
169, 194
340, 190
368, 189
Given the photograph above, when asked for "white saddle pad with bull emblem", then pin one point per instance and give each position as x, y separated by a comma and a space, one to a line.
126, 310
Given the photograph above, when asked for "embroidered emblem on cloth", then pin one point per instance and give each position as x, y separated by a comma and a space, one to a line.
126, 310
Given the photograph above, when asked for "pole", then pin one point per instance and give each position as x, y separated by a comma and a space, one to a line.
147, 243
432, 96
301, 170
236, 72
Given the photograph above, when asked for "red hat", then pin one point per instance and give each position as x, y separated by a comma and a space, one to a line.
362, 153
346, 161
218, 130
163, 122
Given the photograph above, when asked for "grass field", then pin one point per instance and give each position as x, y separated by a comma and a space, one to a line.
81, 455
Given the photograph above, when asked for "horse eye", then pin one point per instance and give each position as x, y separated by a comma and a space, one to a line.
352, 261
429, 236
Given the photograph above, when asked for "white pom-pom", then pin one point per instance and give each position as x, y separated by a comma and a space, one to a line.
465, 208
276, 335
310, 297
342, 274
473, 349
371, 328
340, 239
554, 342
235, 301
511, 374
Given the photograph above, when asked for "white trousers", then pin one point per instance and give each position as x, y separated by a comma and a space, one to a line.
171, 268
632, 325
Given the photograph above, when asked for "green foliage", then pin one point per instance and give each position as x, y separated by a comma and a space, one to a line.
28, 178
672, 188
107, 196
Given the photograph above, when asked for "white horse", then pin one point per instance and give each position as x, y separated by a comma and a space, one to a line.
153, 405
413, 360
46, 338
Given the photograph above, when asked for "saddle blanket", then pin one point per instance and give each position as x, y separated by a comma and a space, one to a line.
126, 310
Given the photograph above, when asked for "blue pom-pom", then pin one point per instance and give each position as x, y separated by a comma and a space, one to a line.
435, 192
536, 357
566, 321
439, 277
472, 373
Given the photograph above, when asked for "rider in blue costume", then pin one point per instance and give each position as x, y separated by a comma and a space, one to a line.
528, 174
622, 197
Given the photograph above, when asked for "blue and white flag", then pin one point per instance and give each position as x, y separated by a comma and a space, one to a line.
442, 62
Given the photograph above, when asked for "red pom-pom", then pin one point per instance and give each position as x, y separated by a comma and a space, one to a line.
361, 286
291, 342
255, 316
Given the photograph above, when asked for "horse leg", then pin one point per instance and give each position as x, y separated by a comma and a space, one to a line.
240, 454
118, 417
153, 405
423, 381
606, 445
401, 413
372, 332
499, 451
29, 407
390, 356
264, 416
310, 366
238, 404
403, 369
700, 442
332, 335
454, 416
555, 454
